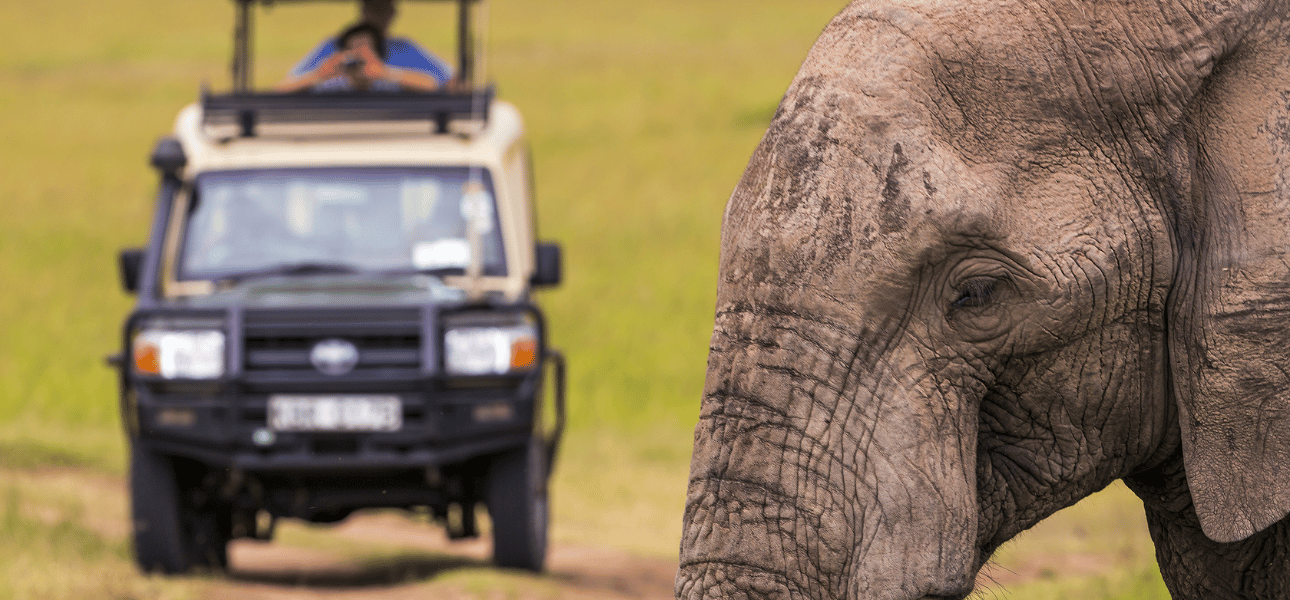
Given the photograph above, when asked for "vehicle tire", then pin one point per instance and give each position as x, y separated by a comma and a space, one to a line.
156, 515
517, 506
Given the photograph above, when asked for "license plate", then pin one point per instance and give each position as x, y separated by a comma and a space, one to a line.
335, 413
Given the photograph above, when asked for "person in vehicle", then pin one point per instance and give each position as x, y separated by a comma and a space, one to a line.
387, 64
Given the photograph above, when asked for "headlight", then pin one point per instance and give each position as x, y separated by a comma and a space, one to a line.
179, 354
490, 350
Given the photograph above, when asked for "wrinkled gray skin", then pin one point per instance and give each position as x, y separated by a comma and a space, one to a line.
991, 256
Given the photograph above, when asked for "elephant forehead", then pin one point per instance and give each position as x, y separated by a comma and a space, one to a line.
905, 132
852, 190
1012, 76
853, 173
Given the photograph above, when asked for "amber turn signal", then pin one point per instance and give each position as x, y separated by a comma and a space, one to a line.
524, 354
146, 359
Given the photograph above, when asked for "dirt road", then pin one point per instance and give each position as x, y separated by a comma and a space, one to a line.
381, 555
393, 557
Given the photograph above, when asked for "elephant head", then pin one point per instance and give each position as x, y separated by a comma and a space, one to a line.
991, 256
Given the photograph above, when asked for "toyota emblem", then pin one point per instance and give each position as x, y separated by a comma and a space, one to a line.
334, 356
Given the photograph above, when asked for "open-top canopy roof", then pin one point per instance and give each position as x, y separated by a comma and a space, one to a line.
268, 2
247, 108
242, 32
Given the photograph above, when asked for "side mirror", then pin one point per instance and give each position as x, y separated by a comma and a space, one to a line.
168, 157
548, 264
131, 262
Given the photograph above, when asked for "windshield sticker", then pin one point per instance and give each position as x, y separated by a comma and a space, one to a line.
477, 207
441, 254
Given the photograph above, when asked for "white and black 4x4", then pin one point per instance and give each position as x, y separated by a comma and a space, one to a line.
334, 313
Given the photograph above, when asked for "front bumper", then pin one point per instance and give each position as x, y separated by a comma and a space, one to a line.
439, 427
445, 420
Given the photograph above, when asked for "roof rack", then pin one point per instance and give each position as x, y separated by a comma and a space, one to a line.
242, 41
248, 110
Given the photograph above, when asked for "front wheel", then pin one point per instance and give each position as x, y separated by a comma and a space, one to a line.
157, 519
517, 505
170, 535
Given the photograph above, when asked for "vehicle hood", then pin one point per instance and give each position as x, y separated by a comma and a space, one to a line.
331, 290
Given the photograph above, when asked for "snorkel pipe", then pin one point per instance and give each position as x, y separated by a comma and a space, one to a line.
474, 195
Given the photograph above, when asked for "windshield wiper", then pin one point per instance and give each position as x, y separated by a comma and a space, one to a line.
437, 272
303, 268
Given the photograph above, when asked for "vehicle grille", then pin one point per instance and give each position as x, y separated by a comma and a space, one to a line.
279, 341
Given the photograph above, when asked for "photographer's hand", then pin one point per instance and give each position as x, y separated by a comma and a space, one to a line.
330, 67
372, 66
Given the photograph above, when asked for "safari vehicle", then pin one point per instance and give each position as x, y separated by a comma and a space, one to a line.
334, 312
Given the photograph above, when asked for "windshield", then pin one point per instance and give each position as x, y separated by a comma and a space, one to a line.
244, 223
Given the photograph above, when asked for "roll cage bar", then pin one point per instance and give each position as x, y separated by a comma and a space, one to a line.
244, 23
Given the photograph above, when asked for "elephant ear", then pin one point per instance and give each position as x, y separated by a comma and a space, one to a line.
1229, 321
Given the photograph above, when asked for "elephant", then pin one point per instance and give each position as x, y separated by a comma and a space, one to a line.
989, 257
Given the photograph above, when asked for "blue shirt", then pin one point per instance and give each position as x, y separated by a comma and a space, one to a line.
399, 52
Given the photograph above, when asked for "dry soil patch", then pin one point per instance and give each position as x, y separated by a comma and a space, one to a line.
417, 561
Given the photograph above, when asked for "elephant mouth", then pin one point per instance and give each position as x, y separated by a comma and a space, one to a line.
713, 578
757, 582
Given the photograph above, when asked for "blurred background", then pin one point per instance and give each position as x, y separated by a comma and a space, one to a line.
641, 117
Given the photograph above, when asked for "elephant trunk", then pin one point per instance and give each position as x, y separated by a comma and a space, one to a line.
823, 470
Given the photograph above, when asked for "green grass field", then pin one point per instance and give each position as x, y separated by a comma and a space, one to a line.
641, 117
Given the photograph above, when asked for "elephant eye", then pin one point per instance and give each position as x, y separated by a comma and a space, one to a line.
978, 291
